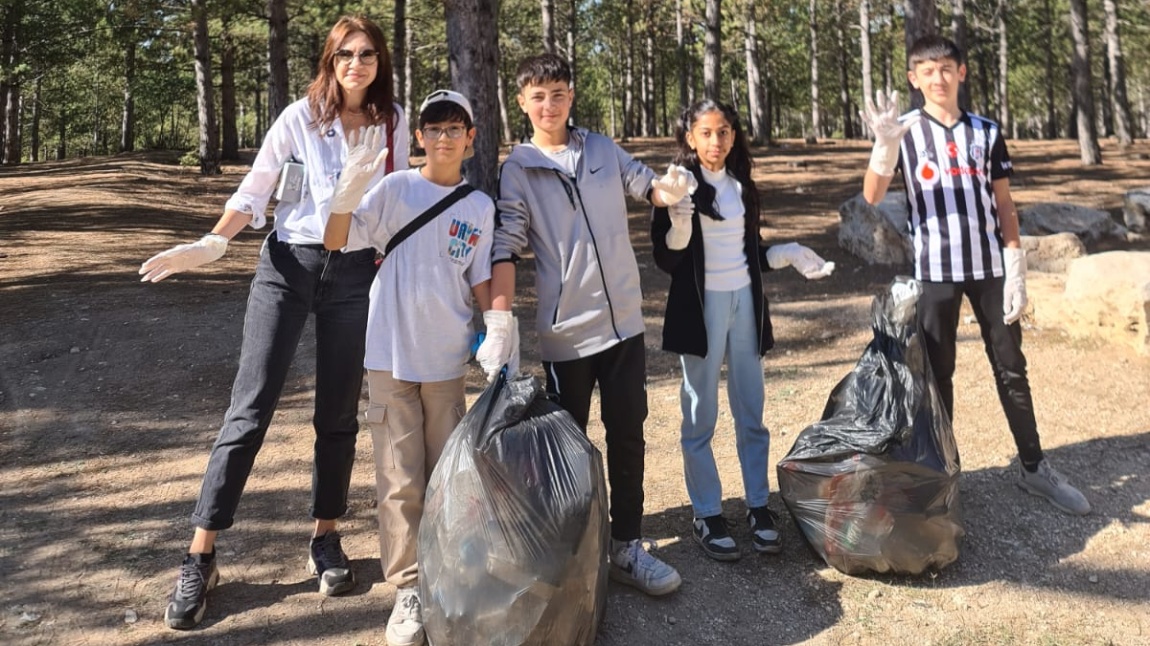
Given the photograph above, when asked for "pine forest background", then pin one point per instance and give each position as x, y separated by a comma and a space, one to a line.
206, 77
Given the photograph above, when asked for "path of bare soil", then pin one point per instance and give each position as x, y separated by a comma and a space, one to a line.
111, 392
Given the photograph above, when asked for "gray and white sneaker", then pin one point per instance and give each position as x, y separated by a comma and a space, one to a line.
764, 535
405, 625
633, 565
327, 560
198, 575
1048, 483
712, 534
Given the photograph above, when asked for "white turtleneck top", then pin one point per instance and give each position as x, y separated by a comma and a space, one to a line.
726, 260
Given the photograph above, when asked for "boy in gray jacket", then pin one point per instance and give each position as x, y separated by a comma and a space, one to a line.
563, 196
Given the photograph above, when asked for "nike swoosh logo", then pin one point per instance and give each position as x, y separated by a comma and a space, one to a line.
596, 170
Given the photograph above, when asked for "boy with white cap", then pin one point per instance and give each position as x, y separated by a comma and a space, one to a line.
419, 324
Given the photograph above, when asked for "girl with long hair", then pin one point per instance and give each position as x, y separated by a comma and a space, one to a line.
302, 154
711, 246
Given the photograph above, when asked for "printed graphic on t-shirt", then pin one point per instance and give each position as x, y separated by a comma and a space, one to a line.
461, 241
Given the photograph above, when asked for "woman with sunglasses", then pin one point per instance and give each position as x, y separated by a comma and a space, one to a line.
300, 163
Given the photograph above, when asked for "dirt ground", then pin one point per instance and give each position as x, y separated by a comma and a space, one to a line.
111, 392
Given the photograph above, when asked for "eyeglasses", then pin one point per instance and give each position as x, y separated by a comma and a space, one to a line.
345, 56
433, 133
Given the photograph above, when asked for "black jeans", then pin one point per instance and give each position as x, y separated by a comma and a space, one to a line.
938, 312
291, 283
621, 372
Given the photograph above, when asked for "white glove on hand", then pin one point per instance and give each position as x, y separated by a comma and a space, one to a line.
805, 261
1014, 289
501, 345
680, 233
675, 185
888, 131
364, 156
183, 257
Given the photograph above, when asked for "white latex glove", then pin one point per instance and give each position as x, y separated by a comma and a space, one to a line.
881, 115
183, 257
675, 185
1014, 289
805, 261
365, 154
680, 233
500, 346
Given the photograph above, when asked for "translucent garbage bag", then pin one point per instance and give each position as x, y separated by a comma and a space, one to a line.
873, 486
513, 541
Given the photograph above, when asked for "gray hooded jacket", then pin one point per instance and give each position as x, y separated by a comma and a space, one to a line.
586, 276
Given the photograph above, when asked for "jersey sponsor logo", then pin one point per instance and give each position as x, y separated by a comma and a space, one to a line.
952, 150
463, 236
927, 173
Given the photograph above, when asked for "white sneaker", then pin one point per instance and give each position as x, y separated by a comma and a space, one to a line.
405, 625
1048, 483
633, 565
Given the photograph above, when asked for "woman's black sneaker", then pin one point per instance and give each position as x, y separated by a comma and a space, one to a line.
189, 600
712, 535
764, 535
327, 560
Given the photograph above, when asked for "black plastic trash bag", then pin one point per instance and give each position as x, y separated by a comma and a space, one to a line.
874, 485
513, 541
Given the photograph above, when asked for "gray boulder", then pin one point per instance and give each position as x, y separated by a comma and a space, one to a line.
1052, 253
1135, 208
1089, 224
878, 235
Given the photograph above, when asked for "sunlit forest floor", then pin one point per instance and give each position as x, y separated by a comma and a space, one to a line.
111, 392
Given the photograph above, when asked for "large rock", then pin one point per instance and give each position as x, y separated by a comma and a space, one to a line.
878, 235
1135, 208
1089, 224
1108, 295
1052, 253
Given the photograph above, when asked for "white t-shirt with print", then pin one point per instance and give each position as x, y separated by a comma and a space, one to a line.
419, 323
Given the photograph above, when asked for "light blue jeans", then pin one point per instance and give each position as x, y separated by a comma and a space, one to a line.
731, 334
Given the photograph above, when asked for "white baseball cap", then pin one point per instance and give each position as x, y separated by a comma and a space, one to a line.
448, 95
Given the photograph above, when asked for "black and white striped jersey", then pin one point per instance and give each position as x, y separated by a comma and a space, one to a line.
953, 215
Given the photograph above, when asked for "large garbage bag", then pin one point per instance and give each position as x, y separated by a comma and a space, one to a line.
873, 486
513, 541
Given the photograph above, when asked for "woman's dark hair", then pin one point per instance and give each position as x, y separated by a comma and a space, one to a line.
738, 163
323, 94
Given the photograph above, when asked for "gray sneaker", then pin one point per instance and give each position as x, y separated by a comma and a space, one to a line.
633, 565
405, 625
1048, 483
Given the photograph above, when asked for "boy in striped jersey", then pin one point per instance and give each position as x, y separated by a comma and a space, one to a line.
966, 242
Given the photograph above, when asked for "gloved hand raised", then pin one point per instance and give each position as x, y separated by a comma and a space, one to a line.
183, 257
675, 185
805, 261
500, 346
1014, 289
680, 233
881, 115
365, 154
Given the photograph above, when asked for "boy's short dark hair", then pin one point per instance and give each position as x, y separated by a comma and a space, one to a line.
933, 48
544, 68
444, 112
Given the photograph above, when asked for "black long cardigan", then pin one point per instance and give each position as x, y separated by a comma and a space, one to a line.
684, 330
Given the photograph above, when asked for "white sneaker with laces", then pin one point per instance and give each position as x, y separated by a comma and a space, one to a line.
633, 565
1048, 483
405, 625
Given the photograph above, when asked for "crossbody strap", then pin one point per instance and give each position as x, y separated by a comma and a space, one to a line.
427, 216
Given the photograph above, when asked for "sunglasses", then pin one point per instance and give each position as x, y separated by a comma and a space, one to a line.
366, 57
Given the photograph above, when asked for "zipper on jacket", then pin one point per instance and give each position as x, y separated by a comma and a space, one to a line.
595, 246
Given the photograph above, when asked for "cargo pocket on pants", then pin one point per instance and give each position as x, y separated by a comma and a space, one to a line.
376, 416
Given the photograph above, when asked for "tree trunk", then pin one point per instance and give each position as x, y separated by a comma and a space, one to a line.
504, 118
10, 61
473, 60
844, 73
209, 160
35, 129
813, 23
1003, 67
62, 134
921, 20
1080, 64
1116, 65
864, 51
399, 61
649, 72
229, 134
1048, 34
573, 15
629, 76
128, 118
681, 54
547, 7
958, 27
277, 57
757, 121
712, 51
409, 78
